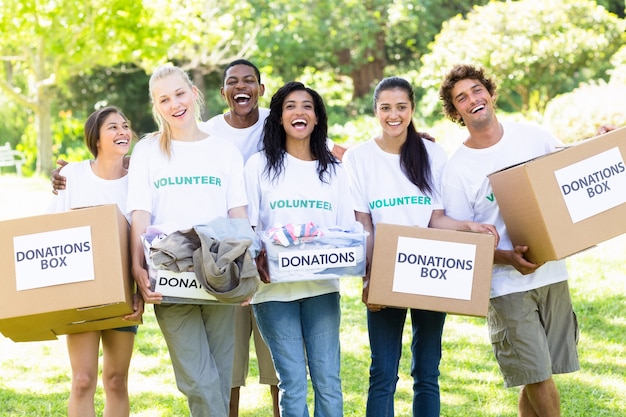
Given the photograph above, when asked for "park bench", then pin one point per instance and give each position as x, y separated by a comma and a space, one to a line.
11, 158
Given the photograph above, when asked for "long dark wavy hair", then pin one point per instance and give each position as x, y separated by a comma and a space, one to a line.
414, 160
275, 138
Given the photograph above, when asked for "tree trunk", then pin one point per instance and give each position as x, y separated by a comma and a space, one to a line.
42, 108
198, 79
366, 74
43, 129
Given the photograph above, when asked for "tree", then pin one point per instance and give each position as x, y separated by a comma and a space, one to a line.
315, 34
124, 85
292, 36
204, 36
414, 25
536, 48
577, 114
347, 37
614, 6
355, 38
45, 43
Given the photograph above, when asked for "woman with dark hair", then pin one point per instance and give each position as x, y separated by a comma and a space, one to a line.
408, 165
296, 180
275, 139
102, 180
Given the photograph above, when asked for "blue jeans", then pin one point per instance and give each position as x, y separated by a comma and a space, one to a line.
304, 332
385, 332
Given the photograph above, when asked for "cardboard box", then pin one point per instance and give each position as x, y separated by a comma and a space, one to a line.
64, 273
20, 330
431, 269
566, 201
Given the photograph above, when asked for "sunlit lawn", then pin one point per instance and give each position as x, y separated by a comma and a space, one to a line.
34, 377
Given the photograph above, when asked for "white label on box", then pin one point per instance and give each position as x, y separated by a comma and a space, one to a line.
180, 284
53, 258
434, 268
304, 260
593, 185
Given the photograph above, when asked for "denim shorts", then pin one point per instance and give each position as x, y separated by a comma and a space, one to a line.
130, 329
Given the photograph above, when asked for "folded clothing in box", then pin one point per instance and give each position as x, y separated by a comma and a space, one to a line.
304, 252
204, 264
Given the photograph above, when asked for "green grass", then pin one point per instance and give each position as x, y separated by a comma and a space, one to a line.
34, 377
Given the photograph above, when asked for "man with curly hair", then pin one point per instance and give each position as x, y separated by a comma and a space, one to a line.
532, 324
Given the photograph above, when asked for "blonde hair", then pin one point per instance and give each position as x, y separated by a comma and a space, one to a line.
165, 129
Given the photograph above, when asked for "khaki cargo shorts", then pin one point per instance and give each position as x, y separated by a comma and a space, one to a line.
534, 334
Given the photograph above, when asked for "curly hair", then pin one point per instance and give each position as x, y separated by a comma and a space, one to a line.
458, 73
275, 137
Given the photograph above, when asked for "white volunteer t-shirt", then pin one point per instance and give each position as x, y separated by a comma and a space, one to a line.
467, 194
297, 196
248, 140
380, 187
87, 189
201, 181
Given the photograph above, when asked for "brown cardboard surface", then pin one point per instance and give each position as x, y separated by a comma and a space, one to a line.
535, 206
94, 325
44, 310
21, 330
387, 271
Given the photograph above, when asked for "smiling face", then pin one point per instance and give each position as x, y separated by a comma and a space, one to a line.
298, 118
114, 136
473, 103
174, 100
394, 111
242, 90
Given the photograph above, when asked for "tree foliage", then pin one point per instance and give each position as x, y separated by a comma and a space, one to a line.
123, 85
293, 35
203, 36
614, 6
355, 38
536, 48
577, 114
45, 43
414, 25
62, 58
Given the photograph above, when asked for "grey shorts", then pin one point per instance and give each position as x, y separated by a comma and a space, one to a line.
245, 327
534, 334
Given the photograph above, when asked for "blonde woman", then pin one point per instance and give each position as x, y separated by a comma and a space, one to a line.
181, 176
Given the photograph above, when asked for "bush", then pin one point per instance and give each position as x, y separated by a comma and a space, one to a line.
353, 131
67, 141
15, 118
577, 115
